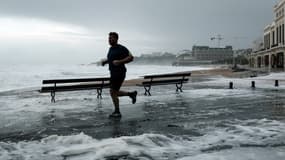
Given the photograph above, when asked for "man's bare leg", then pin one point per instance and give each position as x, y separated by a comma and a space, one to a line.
132, 95
115, 97
123, 93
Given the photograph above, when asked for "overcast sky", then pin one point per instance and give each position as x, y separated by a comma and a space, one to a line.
76, 31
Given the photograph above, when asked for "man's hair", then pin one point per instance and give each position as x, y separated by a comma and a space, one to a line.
115, 34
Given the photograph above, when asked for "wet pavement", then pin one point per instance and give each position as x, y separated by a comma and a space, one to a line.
191, 113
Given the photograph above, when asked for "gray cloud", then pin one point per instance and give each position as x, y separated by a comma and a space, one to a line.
149, 25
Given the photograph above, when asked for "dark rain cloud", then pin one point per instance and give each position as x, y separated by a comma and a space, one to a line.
178, 24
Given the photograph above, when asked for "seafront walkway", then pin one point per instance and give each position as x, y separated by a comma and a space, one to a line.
206, 98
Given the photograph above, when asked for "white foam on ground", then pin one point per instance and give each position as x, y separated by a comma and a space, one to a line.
242, 154
252, 139
213, 94
263, 83
274, 76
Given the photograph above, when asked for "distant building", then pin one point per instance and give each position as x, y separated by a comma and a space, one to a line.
243, 52
204, 55
212, 54
162, 58
184, 56
271, 51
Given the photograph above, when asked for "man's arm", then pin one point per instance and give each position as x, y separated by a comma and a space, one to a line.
104, 61
128, 59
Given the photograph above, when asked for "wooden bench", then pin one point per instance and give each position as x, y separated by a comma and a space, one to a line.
62, 85
164, 79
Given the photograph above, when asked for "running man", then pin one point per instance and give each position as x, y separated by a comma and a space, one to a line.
117, 57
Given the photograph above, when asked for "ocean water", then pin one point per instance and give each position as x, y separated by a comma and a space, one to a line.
25, 76
207, 121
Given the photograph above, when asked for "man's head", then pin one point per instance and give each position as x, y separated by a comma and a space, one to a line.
113, 38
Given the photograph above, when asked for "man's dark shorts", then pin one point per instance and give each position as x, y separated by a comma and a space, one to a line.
117, 80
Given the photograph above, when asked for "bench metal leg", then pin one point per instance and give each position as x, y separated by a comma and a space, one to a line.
179, 87
99, 93
52, 97
147, 90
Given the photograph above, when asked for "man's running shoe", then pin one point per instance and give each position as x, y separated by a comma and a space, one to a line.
133, 96
115, 115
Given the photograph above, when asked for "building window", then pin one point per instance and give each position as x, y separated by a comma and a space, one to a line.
273, 38
277, 34
266, 60
283, 40
268, 41
280, 29
280, 34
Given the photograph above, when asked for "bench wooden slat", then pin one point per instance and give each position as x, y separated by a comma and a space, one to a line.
50, 81
167, 75
74, 87
162, 82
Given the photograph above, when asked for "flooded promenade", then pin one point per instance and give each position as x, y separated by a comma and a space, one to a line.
206, 120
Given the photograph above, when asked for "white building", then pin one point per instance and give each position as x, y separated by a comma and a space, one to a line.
271, 55
212, 54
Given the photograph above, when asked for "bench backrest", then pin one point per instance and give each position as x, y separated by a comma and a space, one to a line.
78, 80
167, 75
